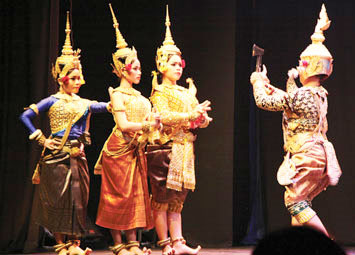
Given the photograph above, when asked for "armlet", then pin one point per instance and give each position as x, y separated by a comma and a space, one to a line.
34, 108
118, 109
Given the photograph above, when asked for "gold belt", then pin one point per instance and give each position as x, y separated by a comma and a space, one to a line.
182, 137
72, 147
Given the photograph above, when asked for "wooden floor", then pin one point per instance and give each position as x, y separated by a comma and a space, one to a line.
205, 251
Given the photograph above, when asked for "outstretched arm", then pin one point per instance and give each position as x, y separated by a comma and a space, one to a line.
98, 107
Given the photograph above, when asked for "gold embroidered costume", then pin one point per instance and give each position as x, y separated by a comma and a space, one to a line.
310, 164
124, 197
174, 103
62, 173
67, 109
171, 161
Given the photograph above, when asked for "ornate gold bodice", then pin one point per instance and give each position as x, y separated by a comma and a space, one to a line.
137, 107
66, 109
171, 101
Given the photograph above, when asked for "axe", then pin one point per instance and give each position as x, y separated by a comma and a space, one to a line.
258, 52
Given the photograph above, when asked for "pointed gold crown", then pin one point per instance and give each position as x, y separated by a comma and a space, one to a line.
69, 58
168, 47
123, 55
318, 59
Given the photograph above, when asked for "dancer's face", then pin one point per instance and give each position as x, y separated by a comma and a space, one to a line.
135, 73
74, 82
174, 68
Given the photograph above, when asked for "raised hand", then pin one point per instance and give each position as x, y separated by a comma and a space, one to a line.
205, 116
203, 107
260, 76
264, 75
292, 73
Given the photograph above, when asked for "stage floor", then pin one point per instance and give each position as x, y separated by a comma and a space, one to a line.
205, 251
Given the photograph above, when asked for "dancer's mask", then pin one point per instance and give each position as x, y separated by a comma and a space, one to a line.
316, 60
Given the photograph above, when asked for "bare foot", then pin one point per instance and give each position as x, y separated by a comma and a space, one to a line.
76, 250
87, 251
180, 248
63, 252
124, 252
137, 251
120, 249
168, 250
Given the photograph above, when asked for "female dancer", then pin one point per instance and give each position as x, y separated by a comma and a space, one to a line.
124, 200
171, 164
62, 173
310, 164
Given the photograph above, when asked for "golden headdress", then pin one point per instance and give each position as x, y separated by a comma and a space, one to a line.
68, 60
168, 47
316, 59
124, 55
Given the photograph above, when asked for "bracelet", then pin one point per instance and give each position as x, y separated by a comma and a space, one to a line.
41, 140
193, 116
35, 135
131, 244
179, 239
165, 242
109, 107
118, 110
145, 126
117, 248
38, 136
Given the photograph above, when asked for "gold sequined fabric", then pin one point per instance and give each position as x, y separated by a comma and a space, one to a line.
174, 103
301, 111
182, 164
124, 200
304, 105
277, 101
308, 105
65, 109
137, 107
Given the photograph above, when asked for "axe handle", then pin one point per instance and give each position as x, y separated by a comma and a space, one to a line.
258, 64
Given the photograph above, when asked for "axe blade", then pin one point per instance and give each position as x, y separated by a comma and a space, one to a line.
258, 53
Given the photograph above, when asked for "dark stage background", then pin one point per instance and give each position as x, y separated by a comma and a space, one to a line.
237, 198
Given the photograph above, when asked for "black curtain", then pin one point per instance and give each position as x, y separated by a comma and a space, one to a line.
249, 217
28, 46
